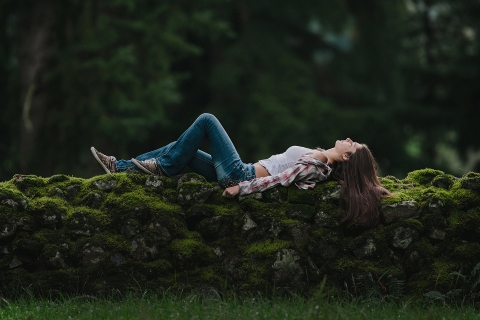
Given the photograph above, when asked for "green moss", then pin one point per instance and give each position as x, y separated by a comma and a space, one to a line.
259, 209
323, 233
137, 201
329, 215
471, 181
288, 222
347, 267
464, 199
296, 195
465, 225
277, 194
389, 182
193, 187
9, 191
440, 276
191, 249
324, 188
98, 216
126, 183
58, 178
53, 241
468, 252
424, 176
267, 247
210, 210
424, 248
158, 267
441, 198
170, 195
379, 233
48, 211
444, 181
397, 197
210, 275
108, 241
414, 224
32, 186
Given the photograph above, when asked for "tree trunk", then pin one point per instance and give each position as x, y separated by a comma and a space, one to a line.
34, 50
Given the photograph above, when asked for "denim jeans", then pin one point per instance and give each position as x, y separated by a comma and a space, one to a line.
223, 164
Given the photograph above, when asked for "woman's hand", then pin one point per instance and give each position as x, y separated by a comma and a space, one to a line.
231, 192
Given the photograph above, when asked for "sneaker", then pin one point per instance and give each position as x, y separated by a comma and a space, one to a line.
106, 162
149, 166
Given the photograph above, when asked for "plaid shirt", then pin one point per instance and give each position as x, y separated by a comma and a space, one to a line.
305, 173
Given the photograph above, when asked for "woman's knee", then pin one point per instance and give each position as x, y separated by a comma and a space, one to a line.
206, 117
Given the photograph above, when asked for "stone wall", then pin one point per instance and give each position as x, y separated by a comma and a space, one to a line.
132, 232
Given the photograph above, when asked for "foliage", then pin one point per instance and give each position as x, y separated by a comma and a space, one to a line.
129, 76
147, 305
466, 289
369, 287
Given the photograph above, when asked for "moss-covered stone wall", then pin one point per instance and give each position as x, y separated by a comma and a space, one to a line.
132, 232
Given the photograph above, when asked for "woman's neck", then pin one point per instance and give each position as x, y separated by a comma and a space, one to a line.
332, 156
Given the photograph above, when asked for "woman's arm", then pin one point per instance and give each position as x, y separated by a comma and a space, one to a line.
284, 178
306, 170
231, 191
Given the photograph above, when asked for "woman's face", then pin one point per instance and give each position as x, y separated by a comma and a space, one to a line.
347, 146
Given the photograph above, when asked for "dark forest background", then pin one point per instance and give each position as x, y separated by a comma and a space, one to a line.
128, 76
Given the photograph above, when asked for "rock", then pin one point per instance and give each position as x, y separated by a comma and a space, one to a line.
333, 194
367, 250
15, 263
322, 220
215, 227
155, 182
288, 275
105, 185
323, 251
437, 234
443, 181
72, 191
130, 228
471, 181
399, 211
57, 261
402, 237
301, 212
93, 200
92, 255
10, 203
189, 194
118, 259
248, 224
298, 234
7, 230
436, 206
148, 246
60, 193
274, 195
256, 196
180, 233
26, 223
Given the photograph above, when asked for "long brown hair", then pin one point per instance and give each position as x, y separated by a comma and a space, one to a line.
361, 189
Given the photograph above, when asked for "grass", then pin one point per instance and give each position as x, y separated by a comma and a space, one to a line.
195, 307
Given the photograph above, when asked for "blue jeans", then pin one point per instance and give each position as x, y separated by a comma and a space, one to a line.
222, 165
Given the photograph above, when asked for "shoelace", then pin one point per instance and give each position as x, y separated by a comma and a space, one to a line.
150, 161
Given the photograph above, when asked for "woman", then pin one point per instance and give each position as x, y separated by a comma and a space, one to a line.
348, 162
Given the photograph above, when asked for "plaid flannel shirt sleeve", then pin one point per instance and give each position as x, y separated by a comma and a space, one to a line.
285, 178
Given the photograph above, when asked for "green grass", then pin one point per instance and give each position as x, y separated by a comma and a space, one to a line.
195, 307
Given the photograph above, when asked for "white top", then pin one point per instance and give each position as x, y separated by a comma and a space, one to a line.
281, 162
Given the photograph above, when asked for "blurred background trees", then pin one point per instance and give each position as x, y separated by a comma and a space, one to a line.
128, 76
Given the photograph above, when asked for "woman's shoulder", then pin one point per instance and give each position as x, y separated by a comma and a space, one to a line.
319, 155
